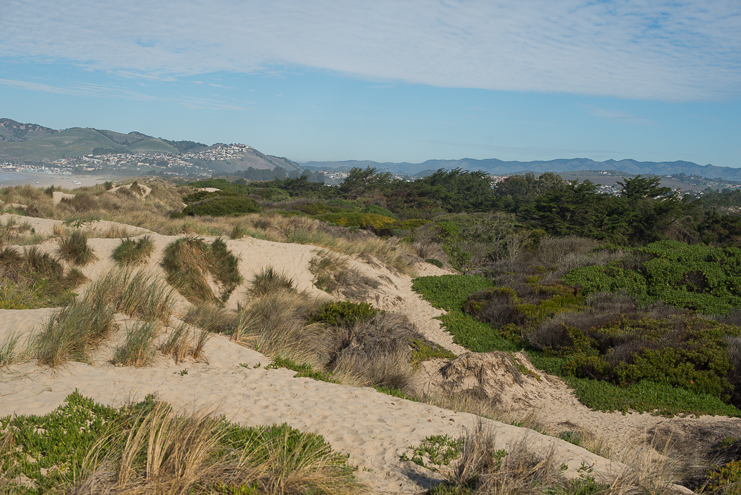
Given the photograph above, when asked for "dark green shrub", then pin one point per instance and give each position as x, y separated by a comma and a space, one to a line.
435, 262
379, 210
697, 277
344, 313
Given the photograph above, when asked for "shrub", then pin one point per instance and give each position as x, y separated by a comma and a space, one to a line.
343, 313
187, 263
132, 252
220, 206
700, 278
74, 249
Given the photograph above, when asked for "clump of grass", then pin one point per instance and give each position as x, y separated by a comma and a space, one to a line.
74, 332
269, 280
134, 293
184, 342
190, 261
213, 318
9, 349
138, 348
18, 233
133, 252
332, 275
74, 249
274, 325
148, 447
424, 351
342, 313
34, 280
177, 344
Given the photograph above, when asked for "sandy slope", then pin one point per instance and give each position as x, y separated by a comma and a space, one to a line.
373, 428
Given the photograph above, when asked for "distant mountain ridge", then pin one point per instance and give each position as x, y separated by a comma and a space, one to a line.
33, 143
501, 167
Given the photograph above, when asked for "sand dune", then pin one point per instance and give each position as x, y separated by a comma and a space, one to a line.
373, 428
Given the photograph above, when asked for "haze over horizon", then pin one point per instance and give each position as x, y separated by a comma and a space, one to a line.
388, 81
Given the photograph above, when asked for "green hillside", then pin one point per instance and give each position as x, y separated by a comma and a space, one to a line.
77, 142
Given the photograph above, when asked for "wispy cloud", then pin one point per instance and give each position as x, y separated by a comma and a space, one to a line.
101, 91
618, 116
667, 50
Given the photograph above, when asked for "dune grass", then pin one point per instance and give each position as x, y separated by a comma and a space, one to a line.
33, 279
138, 348
74, 249
133, 252
189, 263
135, 293
9, 349
143, 448
268, 280
73, 332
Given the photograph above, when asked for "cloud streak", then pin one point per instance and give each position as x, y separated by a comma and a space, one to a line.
663, 50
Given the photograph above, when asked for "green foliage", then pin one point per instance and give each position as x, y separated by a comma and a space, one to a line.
726, 478
436, 450
696, 277
220, 206
424, 351
51, 450
303, 370
344, 313
435, 262
186, 262
450, 292
74, 249
131, 252
35, 280
361, 220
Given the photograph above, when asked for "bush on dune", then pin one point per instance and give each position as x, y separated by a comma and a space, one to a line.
35, 280
190, 260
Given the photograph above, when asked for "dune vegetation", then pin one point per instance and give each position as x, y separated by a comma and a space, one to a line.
632, 301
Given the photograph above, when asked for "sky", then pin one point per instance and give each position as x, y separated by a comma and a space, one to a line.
387, 80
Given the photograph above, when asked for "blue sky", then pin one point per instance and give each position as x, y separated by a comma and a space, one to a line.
388, 80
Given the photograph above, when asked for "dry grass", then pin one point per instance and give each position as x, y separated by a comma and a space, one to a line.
268, 280
185, 342
74, 332
138, 348
10, 352
332, 275
134, 293
198, 453
274, 325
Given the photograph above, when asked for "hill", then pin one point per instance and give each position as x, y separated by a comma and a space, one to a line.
495, 166
32, 144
